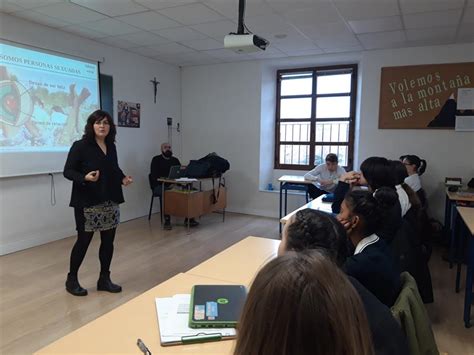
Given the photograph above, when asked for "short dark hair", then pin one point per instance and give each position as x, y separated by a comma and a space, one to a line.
97, 116
332, 158
312, 229
378, 172
371, 207
302, 304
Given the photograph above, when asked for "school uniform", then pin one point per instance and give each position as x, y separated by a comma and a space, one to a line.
375, 267
414, 182
403, 199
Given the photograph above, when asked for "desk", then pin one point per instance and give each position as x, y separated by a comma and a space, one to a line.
450, 216
291, 182
316, 204
192, 204
240, 262
117, 331
467, 217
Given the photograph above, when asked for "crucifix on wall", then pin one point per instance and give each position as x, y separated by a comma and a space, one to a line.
155, 86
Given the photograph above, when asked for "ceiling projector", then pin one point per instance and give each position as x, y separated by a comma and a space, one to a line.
245, 43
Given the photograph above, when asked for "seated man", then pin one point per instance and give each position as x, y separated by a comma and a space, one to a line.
325, 176
160, 168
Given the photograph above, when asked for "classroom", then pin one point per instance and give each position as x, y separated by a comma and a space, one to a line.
215, 142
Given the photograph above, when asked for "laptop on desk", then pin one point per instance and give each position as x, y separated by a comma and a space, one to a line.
176, 172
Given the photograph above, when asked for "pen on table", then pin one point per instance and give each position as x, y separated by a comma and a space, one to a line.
143, 347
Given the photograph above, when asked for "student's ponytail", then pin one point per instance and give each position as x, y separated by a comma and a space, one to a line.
371, 207
385, 197
422, 167
419, 163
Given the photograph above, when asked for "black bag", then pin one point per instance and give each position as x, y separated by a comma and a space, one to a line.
197, 169
217, 164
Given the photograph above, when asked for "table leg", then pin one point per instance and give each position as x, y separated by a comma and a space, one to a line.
189, 218
469, 276
452, 241
163, 203
281, 192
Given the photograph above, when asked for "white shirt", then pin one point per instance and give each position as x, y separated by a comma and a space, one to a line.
320, 173
371, 239
414, 182
404, 200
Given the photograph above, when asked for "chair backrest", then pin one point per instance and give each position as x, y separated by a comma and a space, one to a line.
150, 182
410, 312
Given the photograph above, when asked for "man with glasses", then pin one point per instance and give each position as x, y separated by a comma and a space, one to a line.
160, 168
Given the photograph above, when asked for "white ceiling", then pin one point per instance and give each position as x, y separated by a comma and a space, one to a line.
187, 32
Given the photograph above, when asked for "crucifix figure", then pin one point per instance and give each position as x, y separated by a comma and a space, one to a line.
155, 86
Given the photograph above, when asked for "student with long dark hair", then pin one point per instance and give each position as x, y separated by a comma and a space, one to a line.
311, 229
93, 168
301, 304
375, 172
415, 168
373, 263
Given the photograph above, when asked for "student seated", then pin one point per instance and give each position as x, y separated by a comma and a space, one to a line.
301, 304
409, 201
415, 168
325, 176
373, 263
375, 172
311, 229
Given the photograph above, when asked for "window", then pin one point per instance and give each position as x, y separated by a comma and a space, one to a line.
315, 115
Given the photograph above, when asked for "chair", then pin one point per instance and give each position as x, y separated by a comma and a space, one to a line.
153, 195
411, 314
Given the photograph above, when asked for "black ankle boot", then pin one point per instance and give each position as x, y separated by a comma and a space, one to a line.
105, 284
73, 286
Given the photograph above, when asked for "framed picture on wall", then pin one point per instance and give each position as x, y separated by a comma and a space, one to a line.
128, 114
423, 96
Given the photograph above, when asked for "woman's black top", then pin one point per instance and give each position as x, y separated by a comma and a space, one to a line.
86, 156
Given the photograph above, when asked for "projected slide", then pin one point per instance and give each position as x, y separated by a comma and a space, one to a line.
45, 99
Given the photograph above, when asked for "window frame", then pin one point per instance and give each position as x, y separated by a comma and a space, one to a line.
312, 140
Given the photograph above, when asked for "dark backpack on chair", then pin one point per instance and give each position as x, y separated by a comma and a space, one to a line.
198, 169
217, 164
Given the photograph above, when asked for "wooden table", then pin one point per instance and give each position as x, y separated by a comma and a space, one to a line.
316, 204
240, 262
291, 182
467, 217
193, 204
450, 216
117, 331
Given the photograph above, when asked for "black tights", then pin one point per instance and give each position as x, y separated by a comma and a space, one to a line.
106, 250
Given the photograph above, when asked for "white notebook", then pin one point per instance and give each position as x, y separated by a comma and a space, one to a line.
173, 318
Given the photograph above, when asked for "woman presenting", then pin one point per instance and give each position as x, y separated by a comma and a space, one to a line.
92, 166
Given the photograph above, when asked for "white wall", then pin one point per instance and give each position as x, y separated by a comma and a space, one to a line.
229, 108
27, 218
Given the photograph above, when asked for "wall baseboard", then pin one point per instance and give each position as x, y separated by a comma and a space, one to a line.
35, 240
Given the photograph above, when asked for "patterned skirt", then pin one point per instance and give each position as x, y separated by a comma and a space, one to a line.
100, 217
